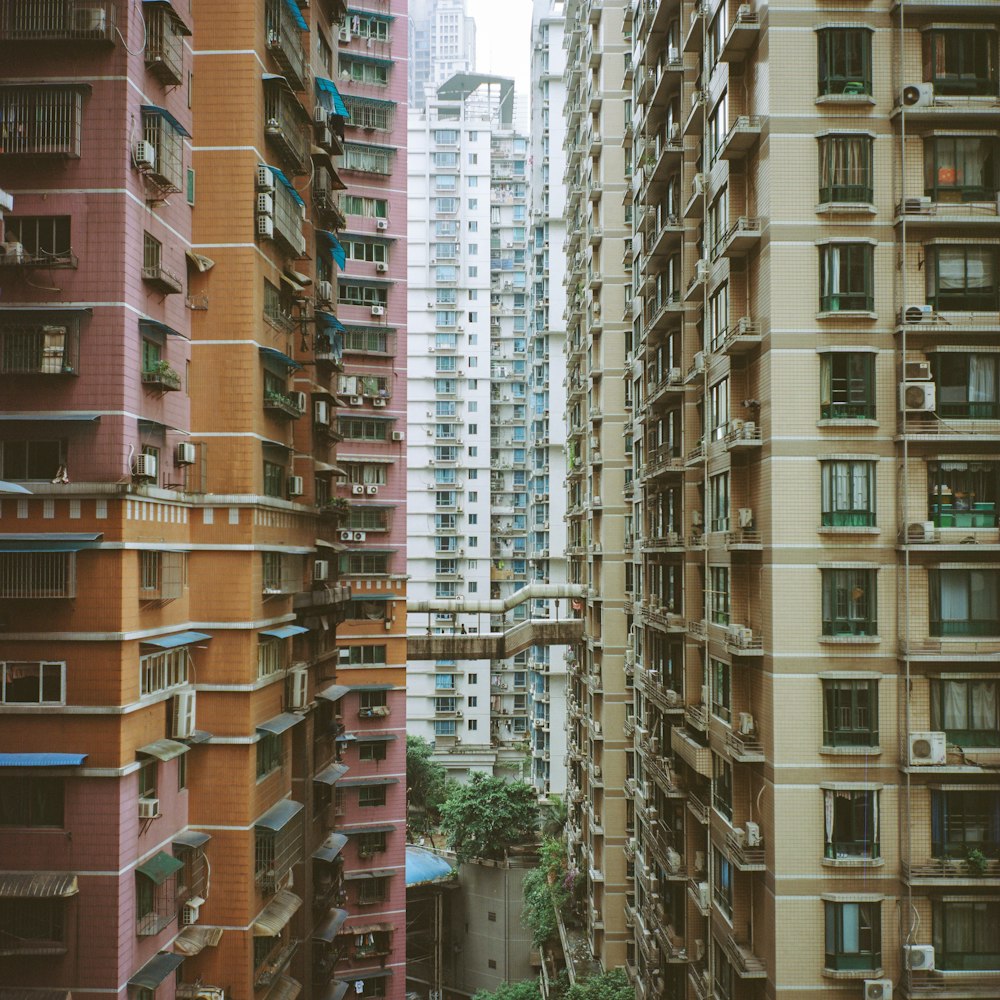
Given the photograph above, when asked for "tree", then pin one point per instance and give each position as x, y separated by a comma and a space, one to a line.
548, 890
426, 783
527, 989
554, 815
487, 816
612, 985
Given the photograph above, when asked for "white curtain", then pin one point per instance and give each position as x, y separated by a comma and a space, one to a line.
954, 596
982, 378
828, 815
984, 705
850, 920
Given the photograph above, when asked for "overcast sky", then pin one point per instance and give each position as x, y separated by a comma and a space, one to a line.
503, 39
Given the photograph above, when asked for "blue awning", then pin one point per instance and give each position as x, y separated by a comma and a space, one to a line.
328, 95
371, 14
42, 759
284, 631
280, 815
155, 109
145, 323
175, 640
272, 354
293, 9
328, 319
280, 723
287, 184
335, 247
56, 541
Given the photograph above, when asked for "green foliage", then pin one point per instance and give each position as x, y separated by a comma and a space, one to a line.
548, 890
613, 985
554, 815
487, 816
527, 989
427, 785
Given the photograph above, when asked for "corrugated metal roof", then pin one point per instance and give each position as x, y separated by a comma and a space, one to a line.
332, 846
368, 779
367, 928
278, 816
38, 885
164, 749
159, 867
284, 631
191, 838
280, 723
331, 775
177, 639
424, 866
276, 914
156, 970
328, 929
333, 693
192, 940
285, 988
42, 759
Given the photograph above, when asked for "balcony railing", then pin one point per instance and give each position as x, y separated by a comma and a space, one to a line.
59, 21
41, 121
164, 48
38, 350
284, 42
285, 124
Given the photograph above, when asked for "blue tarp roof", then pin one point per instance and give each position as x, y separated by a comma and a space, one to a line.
271, 354
293, 9
335, 247
42, 759
287, 184
155, 109
329, 97
177, 639
284, 631
423, 866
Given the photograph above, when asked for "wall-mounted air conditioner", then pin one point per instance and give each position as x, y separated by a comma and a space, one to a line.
928, 749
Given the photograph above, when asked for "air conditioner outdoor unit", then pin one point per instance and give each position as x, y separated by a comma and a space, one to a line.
398, 436
358, 490
372, 491
918, 314
359, 536
701, 270
753, 834
928, 748
703, 895
920, 205
145, 466
381, 266
300, 401
746, 723
382, 225
346, 536
878, 989
90, 19
917, 371
265, 179
699, 361
325, 137
378, 403
186, 453
324, 291
745, 516
378, 310
184, 714
344, 35
917, 95
296, 486
356, 400
917, 397
920, 531
144, 155
298, 688
191, 910
265, 204
321, 570
321, 412
696, 518
320, 115
11, 253
675, 132
919, 956
699, 185
265, 226
149, 808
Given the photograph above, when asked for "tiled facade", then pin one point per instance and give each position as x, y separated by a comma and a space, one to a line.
182, 740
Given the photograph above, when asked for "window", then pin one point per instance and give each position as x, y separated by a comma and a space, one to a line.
720, 675
846, 277
963, 494
962, 278
361, 295
375, 702
719, 495
850, 713
372, 208
849, 602
41, 121
164, 45
845, 169
161, 575
367, 71
719, 409
847, 386
373, 563
848, 493
163, 670
961, 61
358, 429
719, 594
278, 307
276, 852
371, 795
722, 883
964, 602
965, 934
38, 348
445, 727
965, 820
722, 786
845, 61
370, 114
155, 895
31, 801
366, 340
45, 238
853, 935
371, 843
32, 683
718, 127
271, 657
168, 163
27, 460
373, 751
268, 753
960, 168
851, 823
368, 159
967, 385
373, 890
33, 926
967, 710
274, 479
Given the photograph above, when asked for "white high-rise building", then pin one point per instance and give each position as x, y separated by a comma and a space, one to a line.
442, 43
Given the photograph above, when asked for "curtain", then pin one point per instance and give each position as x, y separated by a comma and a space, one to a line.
828, 815
954, 591
982, 379
983, 704
959, 928
850, 914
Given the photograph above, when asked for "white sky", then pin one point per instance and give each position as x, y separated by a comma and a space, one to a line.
503, 39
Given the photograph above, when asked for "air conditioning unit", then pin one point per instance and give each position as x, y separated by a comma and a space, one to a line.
265, 226
378, 403
928, 748
186, 453
746, 724
917, 95
145, 466
745, 517
265, 179
359, 536
344, 35
917, 397
296, 486
356, 400
381, 266
372, 491
300, 401
699, 185
320, 115
190, 912
149, 808
917, 371
398, 436
324, 289
878, 989
696, 518
381, 225
321, 570
701, 270
298, 688
144, 155
325, 137
675, 132
321, 412
346, 536
378, 310
920, 531
11, 253
265, 204
704, 895
919, 957
184, 714
90, 20
753, 834
918, 206
918, 314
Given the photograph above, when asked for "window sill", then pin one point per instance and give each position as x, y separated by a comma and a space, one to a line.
846, 208
852, 862
845, 99
847, 529
851, 751
846, 422
853, 973
850, 640
847, 314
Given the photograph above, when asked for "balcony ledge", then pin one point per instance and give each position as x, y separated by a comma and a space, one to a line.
849, 640
845, 99
853, 973
848, 314
846, 208
847, 529
852, 863
848, 422
851, 751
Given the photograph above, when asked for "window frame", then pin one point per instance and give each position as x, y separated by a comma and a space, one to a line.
834, 163
855, 478
837, 277
837, 585
846, 703
837, 74
869, 925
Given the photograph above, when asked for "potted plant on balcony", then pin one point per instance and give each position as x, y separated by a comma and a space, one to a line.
161, 374
976, 861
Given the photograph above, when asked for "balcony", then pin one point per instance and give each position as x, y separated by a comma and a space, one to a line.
742, 338
923, 214
744, 857
695, 36
281, 404
697, 804
59, 21
696, 756
742, 236
745, 963
38, 349
741, 641
961, 986
161, 376
744, 540
164, 48
742, 137
742, 434
162, 279
284, 27
950, 110
952, 873
286, 125
41, 120
742, 37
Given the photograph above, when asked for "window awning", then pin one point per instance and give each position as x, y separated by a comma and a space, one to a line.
278, 358
156, 970
331, 775
159, 867
164, 749
175, 640
358, 57
284, 631
155, 326
327, 930
367, 929
333, 693
328, 95
335, 991
155, 109
42, 759
367, 780
280, 815
335, 247
61, 541
200, 261
285, 988
33, 885
26, 993
6, 487
174, 16
193, 940
280, 723
286, 184
59, 417
273, 918
190, 838
359, 831
373, 687
328, 319
293, 9
370, 873
332, 847
375, 737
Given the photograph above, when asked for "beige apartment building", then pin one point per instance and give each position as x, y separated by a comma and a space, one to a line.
798, 481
